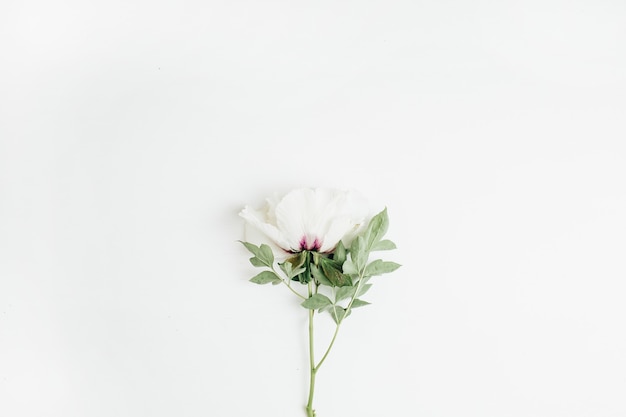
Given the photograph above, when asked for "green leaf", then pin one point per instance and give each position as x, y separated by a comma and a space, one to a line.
340, 253
298, 270
266, 255
266, 277
384, 245
256, 262
305, 277
359, 303
251, 247
338, 313
349, 268
344, 292
377, 228
358, 253
379, 267
319, 276
297, 260
332, 271
316, 302
263, 255
364, 288
287, 268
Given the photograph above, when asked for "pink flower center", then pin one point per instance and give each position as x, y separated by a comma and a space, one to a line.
306, 244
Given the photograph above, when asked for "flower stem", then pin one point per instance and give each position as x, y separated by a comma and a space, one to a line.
294, 291
332, 342
313, 370
288, 285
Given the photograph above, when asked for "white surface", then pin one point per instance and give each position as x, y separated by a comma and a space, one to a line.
132, 133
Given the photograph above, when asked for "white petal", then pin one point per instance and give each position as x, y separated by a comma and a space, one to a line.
257, 219
323, 215
291, 216
270, 214
337, 229
351, 211
253, 235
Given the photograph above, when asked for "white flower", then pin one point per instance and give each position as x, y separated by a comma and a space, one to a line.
310, 219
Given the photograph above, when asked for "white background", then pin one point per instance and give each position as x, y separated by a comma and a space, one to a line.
132, 133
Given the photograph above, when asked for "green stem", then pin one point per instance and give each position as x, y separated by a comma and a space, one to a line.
309, 406
294, 291
314, 368
286, 282
332, 342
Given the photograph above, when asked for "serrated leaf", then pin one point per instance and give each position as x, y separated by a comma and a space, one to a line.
344, 292
359, 303
377, 228
266, 277
316, 302
379, 267
384, 245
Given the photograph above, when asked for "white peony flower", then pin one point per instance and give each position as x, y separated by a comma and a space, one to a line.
310, 219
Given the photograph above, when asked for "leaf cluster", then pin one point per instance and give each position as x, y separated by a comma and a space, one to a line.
263, 257
356, 270
345, 271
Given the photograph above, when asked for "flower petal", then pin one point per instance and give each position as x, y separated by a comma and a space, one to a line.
292, 214
351, 210
318, 219
257, 219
